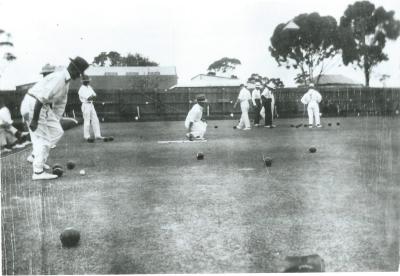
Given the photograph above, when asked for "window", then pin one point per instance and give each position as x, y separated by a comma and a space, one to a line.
110, 74
132, 73
154, 73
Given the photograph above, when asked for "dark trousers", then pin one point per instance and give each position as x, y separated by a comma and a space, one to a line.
257, 110
268, 111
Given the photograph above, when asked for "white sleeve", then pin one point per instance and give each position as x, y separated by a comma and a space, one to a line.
50, 88
319, 97
240, 96
5, 116
81, 94
59, 106
305, 99
92, 90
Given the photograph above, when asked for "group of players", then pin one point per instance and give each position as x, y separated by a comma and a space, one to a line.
44, 105
261, 97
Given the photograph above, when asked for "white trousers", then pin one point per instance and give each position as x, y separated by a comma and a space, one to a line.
48, 132
199, 129
244, 119
90, 119
313, 113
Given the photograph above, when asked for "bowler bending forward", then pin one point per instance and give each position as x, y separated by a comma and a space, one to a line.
42, 108
196, 127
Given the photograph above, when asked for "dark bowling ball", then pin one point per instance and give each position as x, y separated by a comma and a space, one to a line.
312, 149
70, 165
200, 156
70, 237
268, 161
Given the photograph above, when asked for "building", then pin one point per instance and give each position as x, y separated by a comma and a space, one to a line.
124, 78
336, 80
203, 80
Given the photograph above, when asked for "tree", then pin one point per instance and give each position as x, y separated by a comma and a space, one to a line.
101, 59
364, 30
138, 60
114, 58
223, 65
307, 47
277, 82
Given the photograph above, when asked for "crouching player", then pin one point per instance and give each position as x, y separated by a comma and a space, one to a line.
196, 127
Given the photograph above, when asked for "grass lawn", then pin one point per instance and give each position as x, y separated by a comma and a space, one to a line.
144, 207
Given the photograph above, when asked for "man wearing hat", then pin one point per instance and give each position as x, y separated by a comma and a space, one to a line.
196, 127
256, 99
47, 69
87, 96
244, 99
312, 98
43, 120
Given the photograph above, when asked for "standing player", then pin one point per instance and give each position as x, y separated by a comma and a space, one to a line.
87, 96
268, 101
244, 98
312, 98
43, 120
256, 98
196, 127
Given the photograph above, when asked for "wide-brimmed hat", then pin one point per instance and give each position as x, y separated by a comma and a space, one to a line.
48, 69
85, 78
80, 63
201, 98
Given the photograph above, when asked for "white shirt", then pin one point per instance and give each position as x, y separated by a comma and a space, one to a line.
311, 96
53, 89
267, 93
194, 115
256, 95
86, 91
5, 116
244, 95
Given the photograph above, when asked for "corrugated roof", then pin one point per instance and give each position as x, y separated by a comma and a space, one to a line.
336, 80
127, 70
203, 80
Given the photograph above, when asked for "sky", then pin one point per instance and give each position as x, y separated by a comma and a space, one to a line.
187, 34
